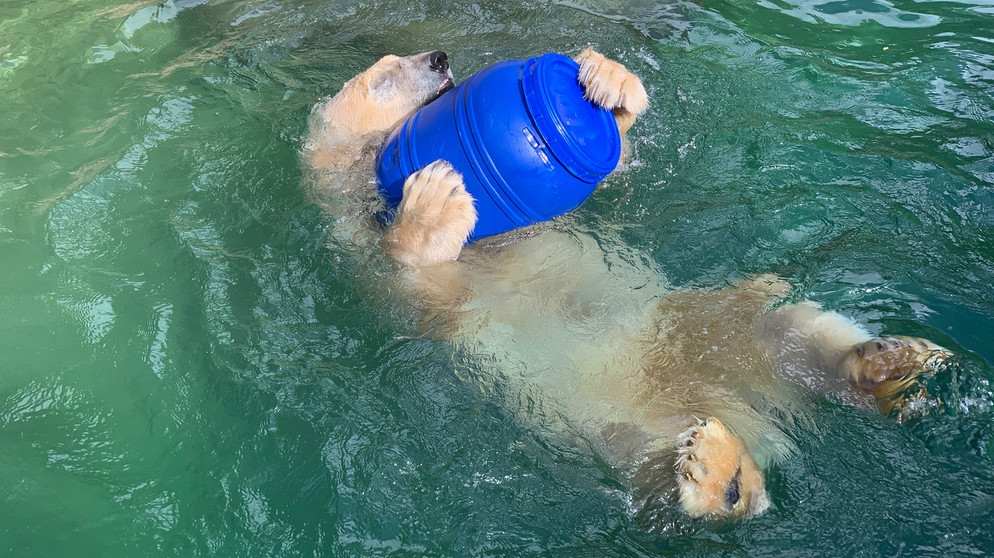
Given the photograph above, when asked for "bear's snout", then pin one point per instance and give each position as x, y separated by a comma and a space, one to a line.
438, 61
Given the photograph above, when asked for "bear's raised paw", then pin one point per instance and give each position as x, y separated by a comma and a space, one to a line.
716, 475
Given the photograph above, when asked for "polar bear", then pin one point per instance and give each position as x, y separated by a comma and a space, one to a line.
684, 390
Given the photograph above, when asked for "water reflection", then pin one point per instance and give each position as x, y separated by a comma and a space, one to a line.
851, 12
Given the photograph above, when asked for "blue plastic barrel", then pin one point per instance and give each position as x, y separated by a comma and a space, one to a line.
529, 146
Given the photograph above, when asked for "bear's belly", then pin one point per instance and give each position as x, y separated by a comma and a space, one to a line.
579, 339
554, 329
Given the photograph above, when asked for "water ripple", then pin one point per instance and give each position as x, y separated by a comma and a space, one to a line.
852, 13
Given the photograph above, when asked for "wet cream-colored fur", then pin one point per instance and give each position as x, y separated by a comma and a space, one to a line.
369, 106
688, 392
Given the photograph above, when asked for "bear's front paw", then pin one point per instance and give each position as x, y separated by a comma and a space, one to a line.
434, 218
716, 475
889, 368
610, 84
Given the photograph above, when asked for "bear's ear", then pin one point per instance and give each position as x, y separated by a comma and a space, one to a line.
383, 87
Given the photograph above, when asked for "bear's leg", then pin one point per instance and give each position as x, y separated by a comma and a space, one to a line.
434, 218
888, 368
716, 475
612, 86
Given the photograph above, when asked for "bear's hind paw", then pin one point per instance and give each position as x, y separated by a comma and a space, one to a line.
890, 370
716, 475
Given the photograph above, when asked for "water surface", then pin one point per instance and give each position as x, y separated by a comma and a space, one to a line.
188, 367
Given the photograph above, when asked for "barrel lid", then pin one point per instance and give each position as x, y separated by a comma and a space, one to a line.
583, 137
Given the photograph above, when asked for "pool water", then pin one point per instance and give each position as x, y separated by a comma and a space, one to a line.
188, 366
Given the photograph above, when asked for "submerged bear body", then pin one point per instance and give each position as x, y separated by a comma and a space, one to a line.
684, 390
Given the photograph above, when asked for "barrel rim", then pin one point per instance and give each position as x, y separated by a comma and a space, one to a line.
540, 100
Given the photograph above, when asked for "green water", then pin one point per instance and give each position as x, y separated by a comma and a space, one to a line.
187, 367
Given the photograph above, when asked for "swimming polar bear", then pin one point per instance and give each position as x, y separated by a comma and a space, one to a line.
657, 380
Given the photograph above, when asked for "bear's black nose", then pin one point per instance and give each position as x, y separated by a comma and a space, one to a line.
439, 61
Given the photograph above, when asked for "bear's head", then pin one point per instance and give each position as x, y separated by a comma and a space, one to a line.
380, 98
